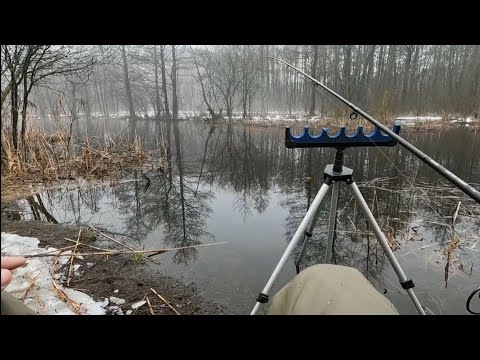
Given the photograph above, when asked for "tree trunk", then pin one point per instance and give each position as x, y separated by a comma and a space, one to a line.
167, 110
10, 85
174, 85
88, 111
244, 83
14, 98
347, 68
164, 84
413, 78
104, 94
157, 87
128, 89
314, 70
406, 73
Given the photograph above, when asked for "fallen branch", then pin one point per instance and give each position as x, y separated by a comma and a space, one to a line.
76, 307
113, 252
165, 301
149, 305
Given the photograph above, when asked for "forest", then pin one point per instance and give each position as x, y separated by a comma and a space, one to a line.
236, 81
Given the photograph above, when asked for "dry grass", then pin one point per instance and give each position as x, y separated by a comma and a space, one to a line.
61, 294
446, 204
55, 157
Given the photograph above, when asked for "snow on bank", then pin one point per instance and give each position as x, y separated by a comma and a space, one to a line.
42, 296
420, 118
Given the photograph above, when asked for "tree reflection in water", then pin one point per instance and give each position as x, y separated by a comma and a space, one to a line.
253, 165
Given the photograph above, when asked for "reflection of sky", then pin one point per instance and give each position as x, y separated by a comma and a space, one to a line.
235, 271
240, 268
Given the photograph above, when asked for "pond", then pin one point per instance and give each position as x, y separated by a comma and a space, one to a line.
241, 185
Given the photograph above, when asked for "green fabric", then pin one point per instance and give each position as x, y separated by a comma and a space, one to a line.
330, 290
12, 306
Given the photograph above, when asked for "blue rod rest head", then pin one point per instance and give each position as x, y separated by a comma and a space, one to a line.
341, 139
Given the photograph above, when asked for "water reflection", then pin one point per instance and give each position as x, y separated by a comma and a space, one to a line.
241, 185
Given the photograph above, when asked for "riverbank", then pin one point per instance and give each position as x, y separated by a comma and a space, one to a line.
408, 124
113, 283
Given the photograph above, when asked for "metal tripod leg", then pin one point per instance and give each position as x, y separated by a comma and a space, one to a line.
332, 221
306, 237
331, 228
406, 284
263, 296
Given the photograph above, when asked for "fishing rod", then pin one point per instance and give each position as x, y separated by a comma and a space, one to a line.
455, 180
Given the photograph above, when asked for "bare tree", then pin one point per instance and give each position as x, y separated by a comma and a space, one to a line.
33, 65
174, 85
222, 67
313, 74
128, 89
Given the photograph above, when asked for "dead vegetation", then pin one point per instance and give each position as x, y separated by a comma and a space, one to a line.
448, 206
55, 157
47, 158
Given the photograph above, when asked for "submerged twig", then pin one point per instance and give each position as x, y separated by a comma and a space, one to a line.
453, 245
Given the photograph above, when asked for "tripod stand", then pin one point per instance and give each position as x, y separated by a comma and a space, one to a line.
335, 174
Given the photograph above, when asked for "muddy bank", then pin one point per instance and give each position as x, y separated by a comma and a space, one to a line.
123, 276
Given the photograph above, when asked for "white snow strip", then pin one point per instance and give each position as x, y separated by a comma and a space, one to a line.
42, 297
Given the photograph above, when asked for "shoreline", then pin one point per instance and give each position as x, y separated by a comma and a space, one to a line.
116, 281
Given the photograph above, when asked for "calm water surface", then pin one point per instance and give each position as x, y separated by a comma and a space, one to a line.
240, 185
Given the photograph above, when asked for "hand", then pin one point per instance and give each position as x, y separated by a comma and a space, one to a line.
10, 263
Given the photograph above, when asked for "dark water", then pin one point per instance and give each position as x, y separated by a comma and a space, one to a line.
241, 185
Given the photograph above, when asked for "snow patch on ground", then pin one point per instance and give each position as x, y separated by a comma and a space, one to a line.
42, 296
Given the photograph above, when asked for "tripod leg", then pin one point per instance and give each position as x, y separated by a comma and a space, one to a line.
308, 234
331, 222
406, 284
306, 237
263, 296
